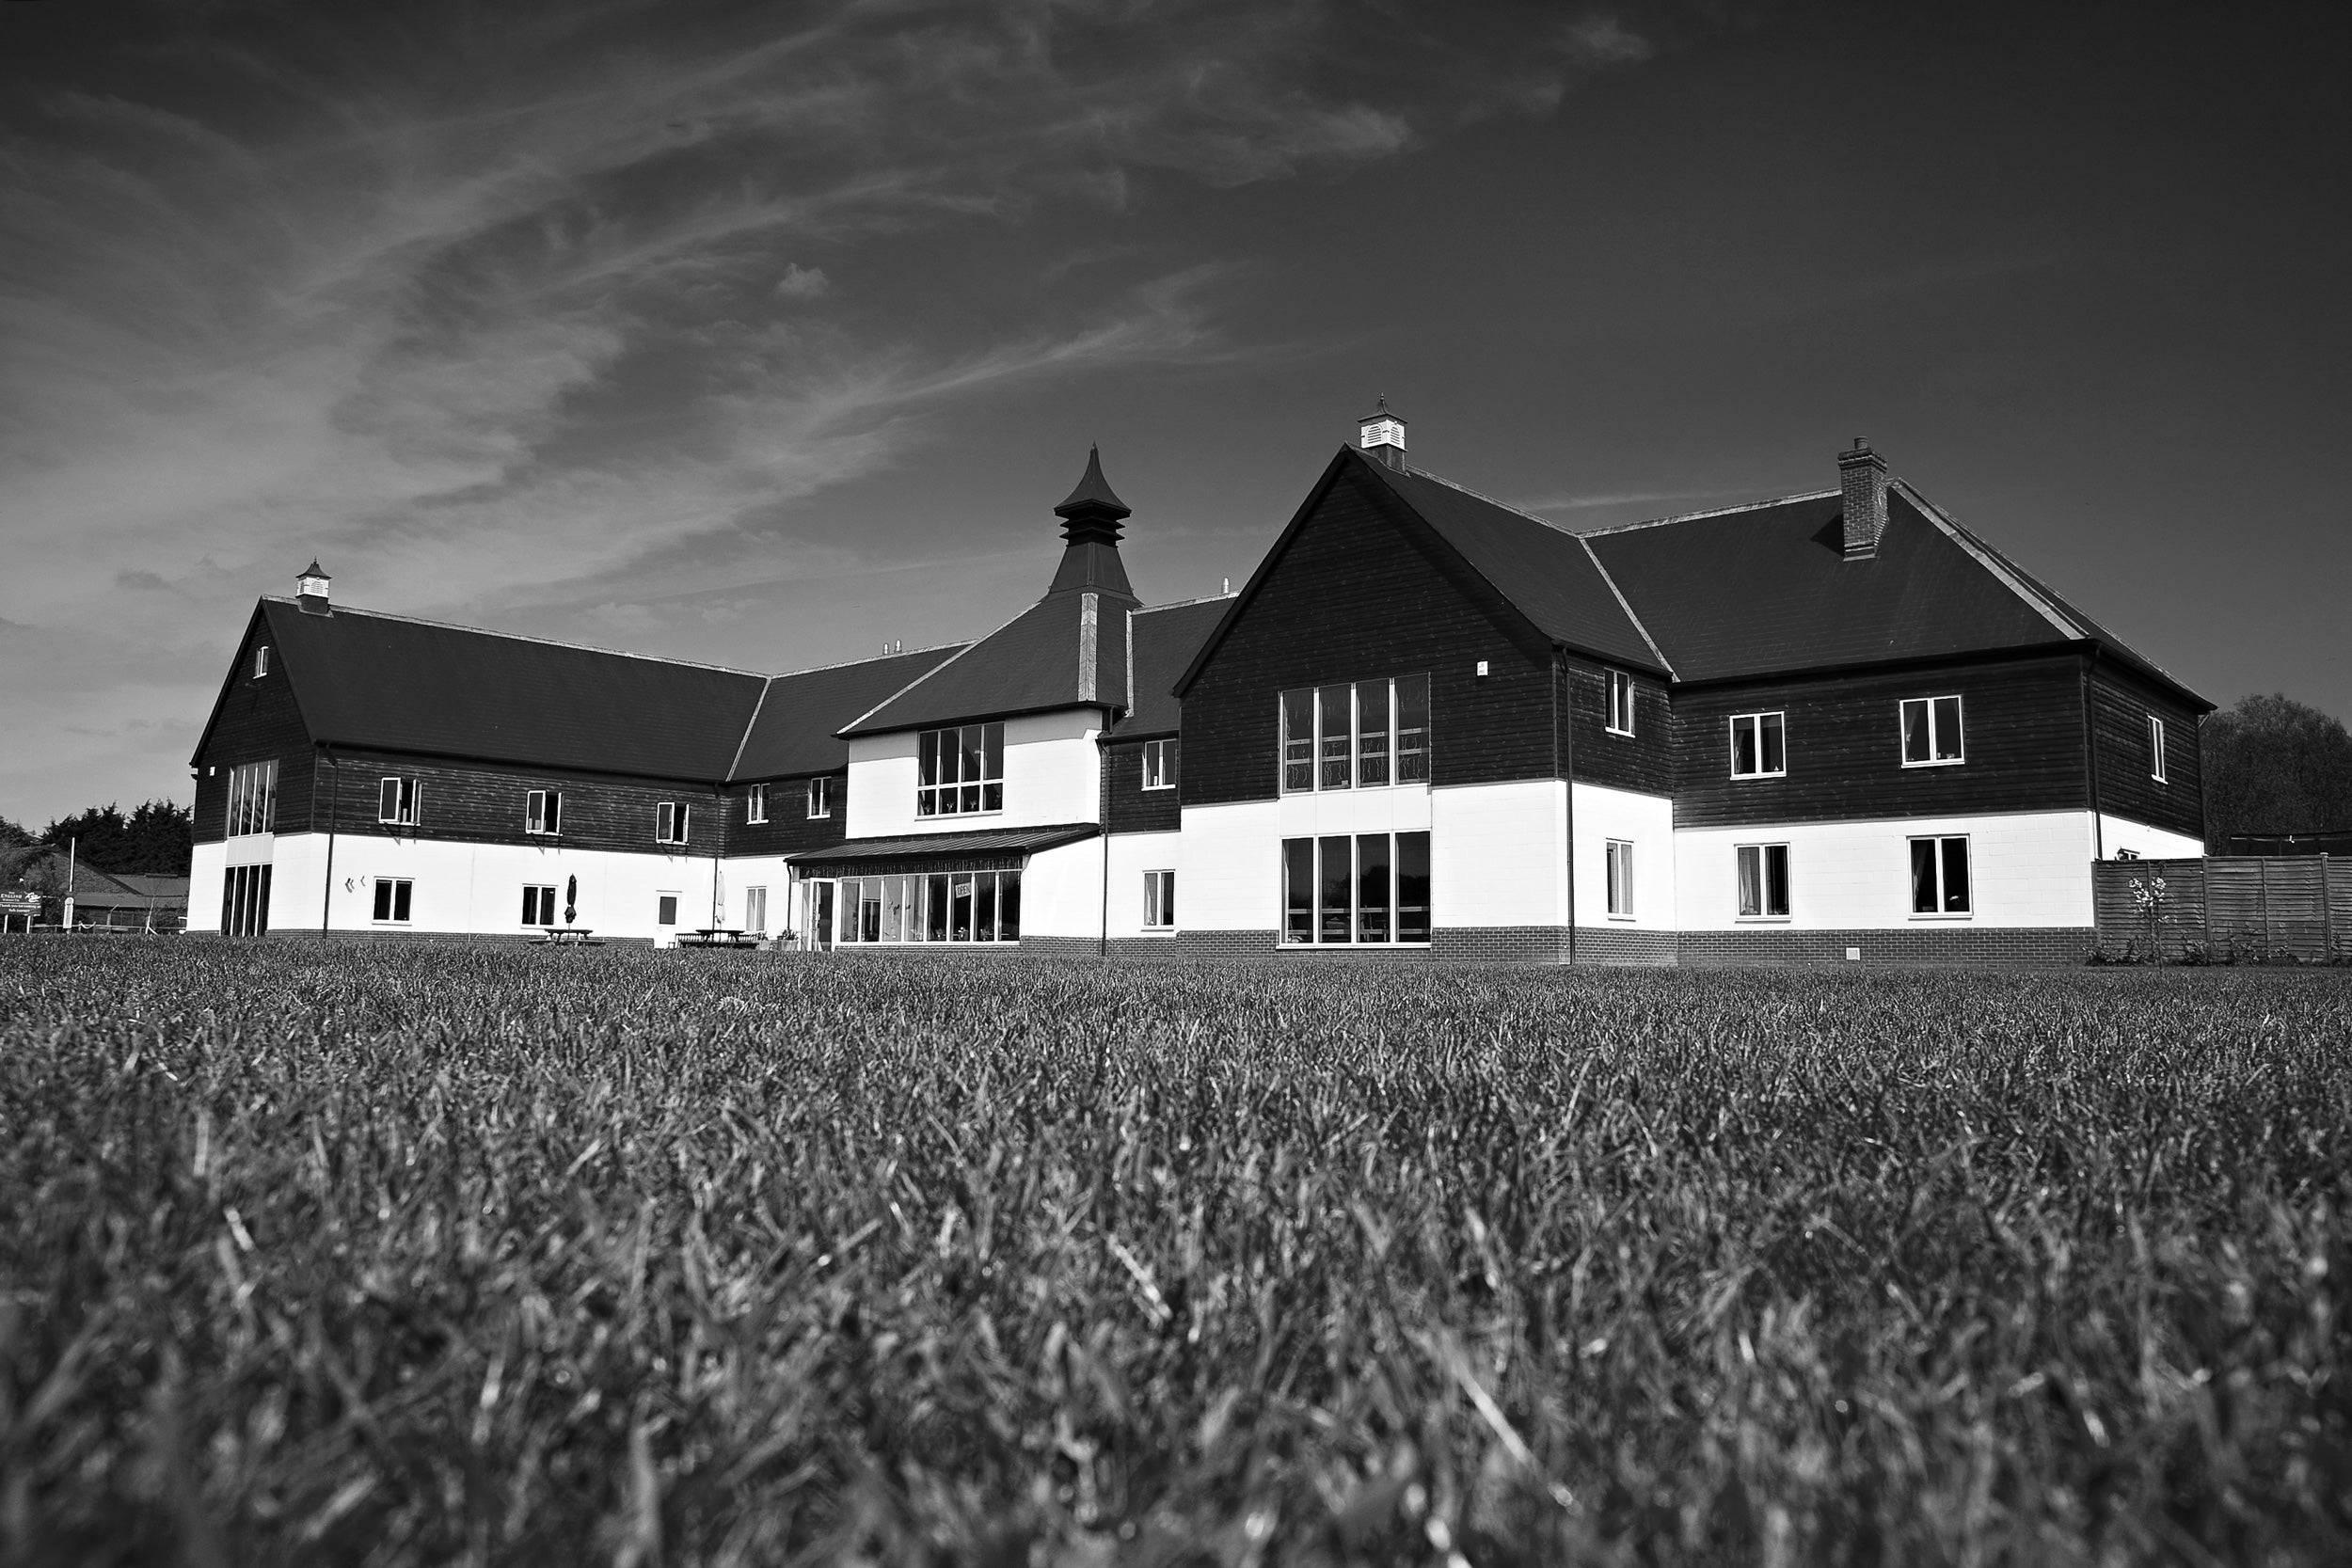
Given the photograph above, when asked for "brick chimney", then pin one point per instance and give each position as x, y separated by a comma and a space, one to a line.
1381, 436
310, 590
1862, 475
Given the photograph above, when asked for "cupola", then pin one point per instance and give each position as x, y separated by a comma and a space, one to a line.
1090, 520
1380, 435
310, 596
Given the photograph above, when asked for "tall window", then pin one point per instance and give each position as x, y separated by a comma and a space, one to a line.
819, 796
1159, 900
539, 907
1620, 880
396, 800
1939, 876
1356, 888
669, 822
948, 907
1363, 734
1620, 702
543, 811
261, 661
244, 901
1931, 736
1159, 764
1763, 881
2155, 748
960, 769
1759, 745
252, 799
392, 896
755, 805
756, 909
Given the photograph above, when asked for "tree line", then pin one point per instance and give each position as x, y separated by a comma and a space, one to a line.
156, 839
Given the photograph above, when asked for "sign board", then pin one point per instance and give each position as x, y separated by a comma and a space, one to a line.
20, 903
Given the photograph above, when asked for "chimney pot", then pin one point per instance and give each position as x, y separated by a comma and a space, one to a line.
1380, 436
1862, 478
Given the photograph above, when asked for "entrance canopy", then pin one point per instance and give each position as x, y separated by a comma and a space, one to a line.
996, 849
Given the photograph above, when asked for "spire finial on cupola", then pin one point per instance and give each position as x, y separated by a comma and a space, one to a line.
1091, 524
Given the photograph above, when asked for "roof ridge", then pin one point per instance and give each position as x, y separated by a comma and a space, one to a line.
870, 659
1992, 560
1713, 511
527, 637
1627, 605
1179, 604
1499, 505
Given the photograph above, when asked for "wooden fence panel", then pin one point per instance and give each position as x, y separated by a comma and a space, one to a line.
2234, 905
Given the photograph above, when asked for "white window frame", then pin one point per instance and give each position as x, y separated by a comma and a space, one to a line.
756, 908
543, 812
1159, 900
904, 903
1158, 773
399, 800
672, 822
1619, 855
2155, 749
1620, 702
542, 896
1968, 862
756, 803
394, 901
1902, 731
945, 797
1393, 758
1756, 722
261, 661
1764, 913
1318, 912
252, 799
820, 798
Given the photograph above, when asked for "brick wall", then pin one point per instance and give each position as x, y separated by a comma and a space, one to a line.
1500, 944
1225, 946
1910, 944
1623, 944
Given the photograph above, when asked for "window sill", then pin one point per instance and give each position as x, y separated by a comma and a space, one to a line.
1752, 777
1625, 919
1351, 948
1946, 916
1940, 762
1621, 735
1761, 919
1161, 789
1158, 930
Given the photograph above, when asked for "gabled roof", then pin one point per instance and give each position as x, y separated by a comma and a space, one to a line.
365, 679
1035, 662
1166, 638
794, 730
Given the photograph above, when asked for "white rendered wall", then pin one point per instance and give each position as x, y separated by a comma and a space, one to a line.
1647, 823
2026, 869
205, 874
1061, 890
1051, 777
1132, 855
1498, 855
2118, 833
1228, 868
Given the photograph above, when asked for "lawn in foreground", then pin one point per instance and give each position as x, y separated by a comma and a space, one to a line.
418, 1254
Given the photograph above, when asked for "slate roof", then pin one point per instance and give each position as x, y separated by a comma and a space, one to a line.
366, 679
794, 731
1166, 638
995, 841
1033, 663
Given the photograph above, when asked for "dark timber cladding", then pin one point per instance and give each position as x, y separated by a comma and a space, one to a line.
2121, 705
1133, 808
474, 802
254, 720
1644, 760
1360, 585
2021, 720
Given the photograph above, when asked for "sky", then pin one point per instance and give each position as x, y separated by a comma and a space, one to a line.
768, 334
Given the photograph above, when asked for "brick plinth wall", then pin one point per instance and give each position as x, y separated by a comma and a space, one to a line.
471, 939
1500, 944
1061, 948
1624, 944
1923, 944
1145, 947
1225, 945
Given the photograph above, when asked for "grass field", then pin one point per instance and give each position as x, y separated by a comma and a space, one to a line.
421, 1256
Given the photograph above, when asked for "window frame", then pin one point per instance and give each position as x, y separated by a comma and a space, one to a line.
1157, 756
1159, 899
1618, 890
394, 901
1902, 730
819, 798
261, 660
406, 793
252, 804
755, 805
1620, 701
2156, 750
1293, 935
1756, 721
758, 895
1320, 751
945, 797
1940, 861
673, 821
916, 908
1764, 913
542, 895
543, 812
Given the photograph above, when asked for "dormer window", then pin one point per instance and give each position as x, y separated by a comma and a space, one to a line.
261, 661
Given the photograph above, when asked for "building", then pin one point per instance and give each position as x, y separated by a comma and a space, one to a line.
1831, 726
118, 900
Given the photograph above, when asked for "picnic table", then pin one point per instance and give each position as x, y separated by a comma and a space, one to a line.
718, 936
569, 936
